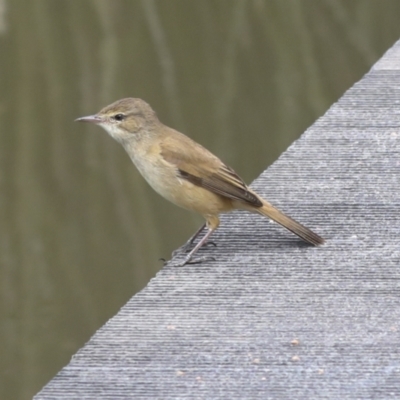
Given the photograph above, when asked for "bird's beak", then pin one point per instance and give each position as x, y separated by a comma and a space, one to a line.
90, 118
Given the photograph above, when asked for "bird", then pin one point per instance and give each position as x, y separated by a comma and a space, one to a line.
184, 172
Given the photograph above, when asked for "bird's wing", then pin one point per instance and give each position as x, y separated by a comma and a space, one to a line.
200, 167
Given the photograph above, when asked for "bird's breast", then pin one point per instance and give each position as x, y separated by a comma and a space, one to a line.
164, 179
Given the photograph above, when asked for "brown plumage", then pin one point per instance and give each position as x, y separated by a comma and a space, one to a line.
183, 171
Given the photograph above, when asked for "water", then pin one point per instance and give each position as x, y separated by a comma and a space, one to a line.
80, 230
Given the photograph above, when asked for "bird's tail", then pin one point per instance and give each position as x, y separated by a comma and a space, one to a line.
306, 234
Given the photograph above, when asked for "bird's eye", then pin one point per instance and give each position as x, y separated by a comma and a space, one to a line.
119, 117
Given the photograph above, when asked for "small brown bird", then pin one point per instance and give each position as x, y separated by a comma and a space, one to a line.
183, 171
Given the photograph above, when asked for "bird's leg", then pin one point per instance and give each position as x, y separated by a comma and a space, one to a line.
188, 258
212, 223
194, 237
189, 243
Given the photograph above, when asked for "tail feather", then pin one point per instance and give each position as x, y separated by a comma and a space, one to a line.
306, 234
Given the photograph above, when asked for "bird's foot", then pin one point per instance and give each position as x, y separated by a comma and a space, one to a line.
188, 245
189, 260
183, 249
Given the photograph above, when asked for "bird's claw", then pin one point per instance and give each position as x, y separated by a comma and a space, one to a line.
188, 261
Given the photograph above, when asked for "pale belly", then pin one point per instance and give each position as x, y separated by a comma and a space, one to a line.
164, 180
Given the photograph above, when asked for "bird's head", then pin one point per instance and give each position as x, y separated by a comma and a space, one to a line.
124, 119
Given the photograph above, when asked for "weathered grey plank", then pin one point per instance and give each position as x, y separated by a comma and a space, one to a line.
272, 317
